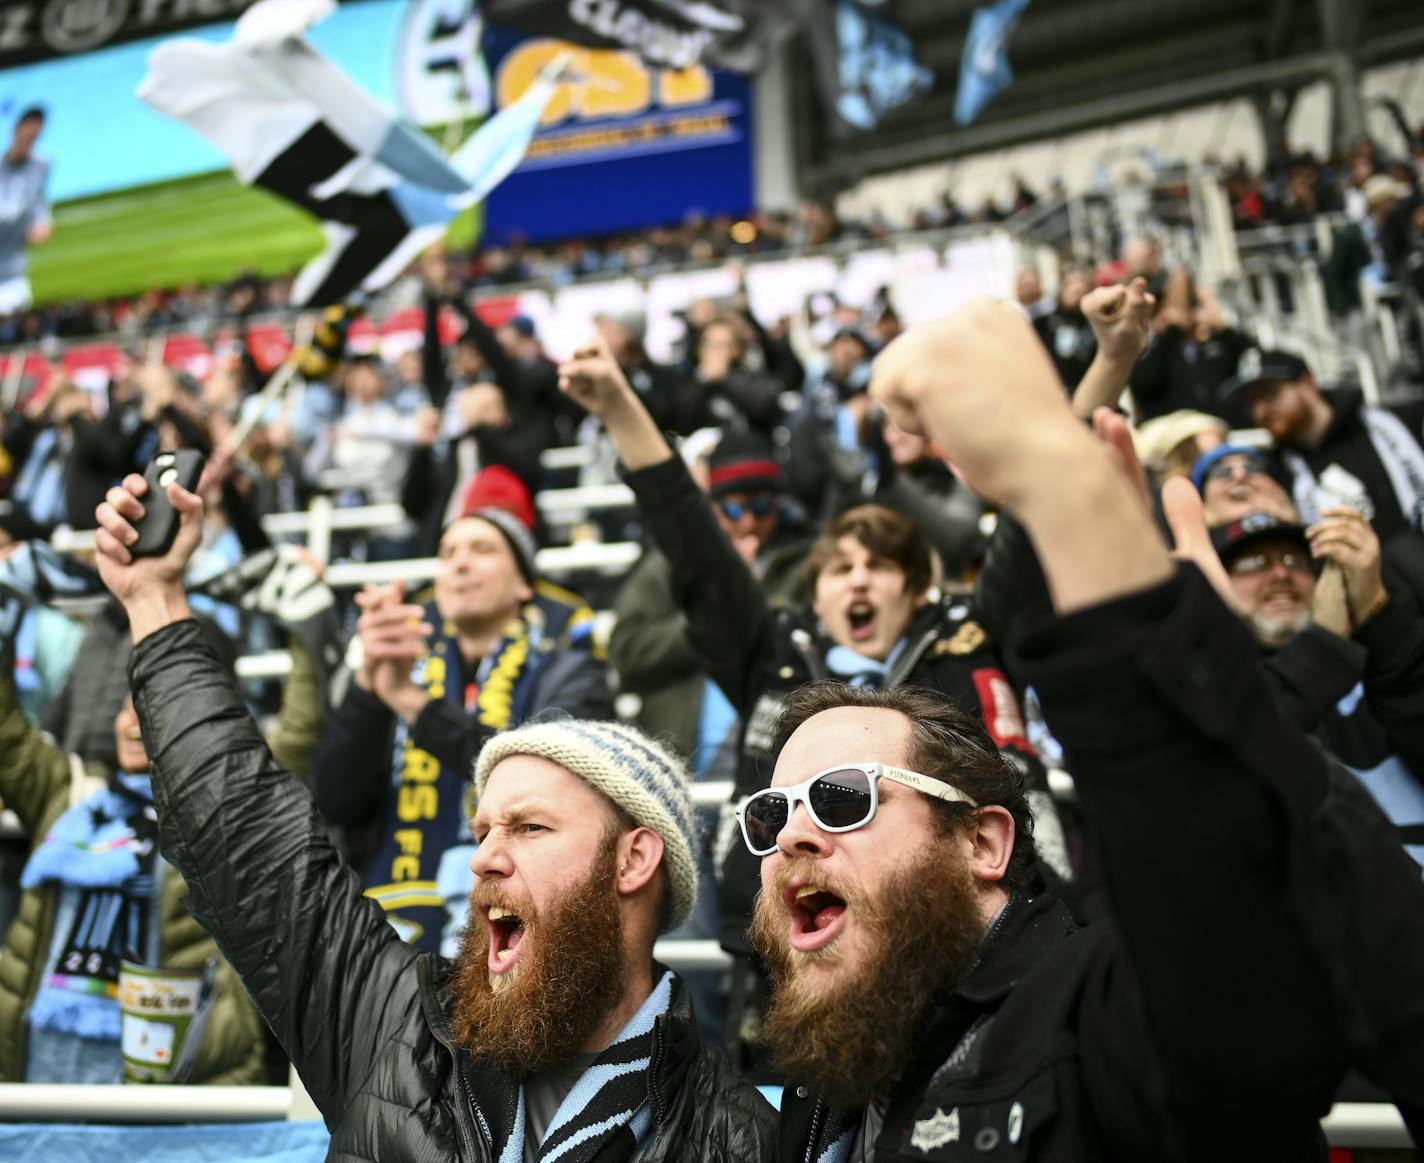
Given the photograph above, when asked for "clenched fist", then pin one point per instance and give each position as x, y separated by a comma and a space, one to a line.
981, 386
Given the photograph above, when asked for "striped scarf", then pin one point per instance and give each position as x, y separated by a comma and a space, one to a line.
835, 1137
604, 1117
430, 810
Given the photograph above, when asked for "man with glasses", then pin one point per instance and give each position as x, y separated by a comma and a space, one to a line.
1347, 659
873, 620
1234, 480
1265, 931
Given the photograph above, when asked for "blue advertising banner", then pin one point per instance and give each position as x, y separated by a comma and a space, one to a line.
622, 146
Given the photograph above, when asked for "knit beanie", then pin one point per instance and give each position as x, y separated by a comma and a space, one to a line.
636, 773
521, 541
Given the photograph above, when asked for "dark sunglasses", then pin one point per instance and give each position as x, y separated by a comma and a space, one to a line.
1225, 468
839, 799
756, 506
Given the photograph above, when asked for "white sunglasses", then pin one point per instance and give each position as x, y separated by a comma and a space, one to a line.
839, 799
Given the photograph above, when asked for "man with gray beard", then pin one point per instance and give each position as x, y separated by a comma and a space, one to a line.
1346, 656
555, 1035
1265, 929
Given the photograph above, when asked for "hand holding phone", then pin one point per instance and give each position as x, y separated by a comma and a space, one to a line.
159, 526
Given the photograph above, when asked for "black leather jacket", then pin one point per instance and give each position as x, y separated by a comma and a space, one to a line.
364, 1017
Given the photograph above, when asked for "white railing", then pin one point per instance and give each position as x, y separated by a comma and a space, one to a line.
1349, 1124
574, 456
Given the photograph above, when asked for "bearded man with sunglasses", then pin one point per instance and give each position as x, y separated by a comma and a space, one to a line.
873, 620
1265, 928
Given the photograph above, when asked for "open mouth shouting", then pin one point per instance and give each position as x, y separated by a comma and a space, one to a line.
817, 917
506, 938
861, 617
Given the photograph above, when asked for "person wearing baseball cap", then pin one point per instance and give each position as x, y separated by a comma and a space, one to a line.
1338, 448
1272, 573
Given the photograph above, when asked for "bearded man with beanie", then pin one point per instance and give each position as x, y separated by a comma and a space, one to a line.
554, 1034
433, 683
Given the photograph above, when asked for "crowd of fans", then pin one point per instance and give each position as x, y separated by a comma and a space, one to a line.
793, 533
1364, 183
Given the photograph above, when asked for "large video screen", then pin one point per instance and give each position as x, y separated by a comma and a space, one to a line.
99, 137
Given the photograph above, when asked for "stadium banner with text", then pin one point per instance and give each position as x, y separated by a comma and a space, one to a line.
623, 145
33, 30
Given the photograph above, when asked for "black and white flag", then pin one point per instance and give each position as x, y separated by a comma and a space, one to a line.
291, 122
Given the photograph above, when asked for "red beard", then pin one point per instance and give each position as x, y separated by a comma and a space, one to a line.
850, 1038
568, 979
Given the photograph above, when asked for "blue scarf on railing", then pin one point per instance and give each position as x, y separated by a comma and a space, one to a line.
106, 848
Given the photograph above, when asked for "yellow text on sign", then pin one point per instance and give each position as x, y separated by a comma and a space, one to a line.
599, 83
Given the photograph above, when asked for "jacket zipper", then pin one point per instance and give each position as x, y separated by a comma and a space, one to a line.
912, 658
815, 1140
654, 1066
466, 1144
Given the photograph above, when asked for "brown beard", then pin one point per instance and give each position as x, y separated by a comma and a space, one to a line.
849, 1039
568, 979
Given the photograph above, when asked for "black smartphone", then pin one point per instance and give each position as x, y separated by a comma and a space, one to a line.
160, 520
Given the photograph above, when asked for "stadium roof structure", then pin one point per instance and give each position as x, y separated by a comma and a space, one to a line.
1081, 64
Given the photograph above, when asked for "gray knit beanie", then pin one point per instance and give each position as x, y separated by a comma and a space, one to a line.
636, 773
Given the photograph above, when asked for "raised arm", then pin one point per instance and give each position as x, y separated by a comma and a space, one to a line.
1200, 795
325, 969
1121, 318
728, 617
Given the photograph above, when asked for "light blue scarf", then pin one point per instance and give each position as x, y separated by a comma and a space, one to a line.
608, 1109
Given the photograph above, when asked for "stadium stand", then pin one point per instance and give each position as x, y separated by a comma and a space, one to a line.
737, 333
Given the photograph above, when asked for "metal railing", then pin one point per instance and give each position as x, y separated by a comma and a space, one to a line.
1351, 1124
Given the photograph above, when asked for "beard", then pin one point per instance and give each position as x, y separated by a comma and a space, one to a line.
1274, 630
848, 1038
568, 979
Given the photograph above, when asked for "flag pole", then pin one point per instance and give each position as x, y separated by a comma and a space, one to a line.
14, 375
275, 385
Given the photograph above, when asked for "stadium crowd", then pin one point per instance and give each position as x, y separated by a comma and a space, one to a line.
1365, 183
892, 661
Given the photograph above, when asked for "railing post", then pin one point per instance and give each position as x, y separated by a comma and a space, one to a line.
319, 532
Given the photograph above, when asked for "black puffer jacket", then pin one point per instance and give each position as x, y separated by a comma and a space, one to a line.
363, 1016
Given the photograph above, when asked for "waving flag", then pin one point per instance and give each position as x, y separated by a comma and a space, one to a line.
876, 68
291, 122
984, 70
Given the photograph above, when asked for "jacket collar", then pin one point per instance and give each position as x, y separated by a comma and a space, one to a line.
1025, 931
1346, 404
676, 1042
